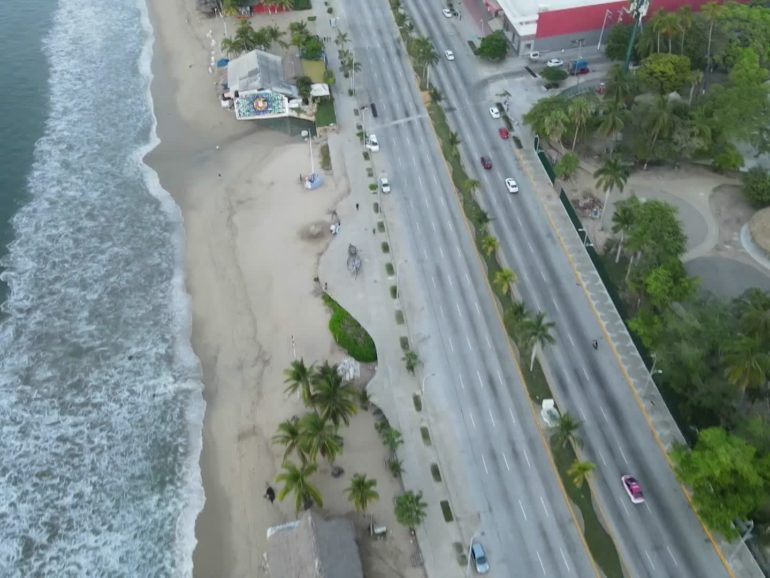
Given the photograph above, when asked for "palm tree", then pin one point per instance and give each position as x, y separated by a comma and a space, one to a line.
611, 175
538, 334
361, 492
696, 77
425, 53
668, 27
290, 435
555, 124
565, 430
319, 437
684, 23
516, 317
754, 311
747, 363
623, 220
471, 185
660, 119
334, 399
410, 509
392, 438
454, 140
299, 33
503, 280
580, 471
275, 35
412, 360
489, 245
621, 86
342, 38
299, 377
613, 121
657, 23
295, 481
580, 110
711, 11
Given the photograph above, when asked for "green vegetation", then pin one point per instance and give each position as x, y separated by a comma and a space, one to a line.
410, 509
417, 401
326, 159
411, 360
553, 74
567, 166
361, 492
756, 186
325, 115
247, 39
349, 334
425, 435
446, 510
295, 481
435, 472
493, 46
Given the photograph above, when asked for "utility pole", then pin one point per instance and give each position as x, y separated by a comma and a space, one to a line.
638, 10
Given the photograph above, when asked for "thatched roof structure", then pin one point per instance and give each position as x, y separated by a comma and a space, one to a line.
312, 547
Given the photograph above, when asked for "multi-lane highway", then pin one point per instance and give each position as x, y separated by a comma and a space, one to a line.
527, 527
660, 538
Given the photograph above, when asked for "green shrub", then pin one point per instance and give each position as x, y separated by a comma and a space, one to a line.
326, 161
756, 186
417, 402
385, 247
393, 292
425, 435
434, 471
349, 334
399, 317
447, 511
389, 269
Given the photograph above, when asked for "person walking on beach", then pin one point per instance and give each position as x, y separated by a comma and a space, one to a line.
270, 494
356, 206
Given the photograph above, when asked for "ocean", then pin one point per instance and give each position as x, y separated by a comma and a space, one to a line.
101, 404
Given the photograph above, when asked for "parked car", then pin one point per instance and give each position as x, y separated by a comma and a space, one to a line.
449, 55
633, 489
579, 66
534, 56
384, 184
479, 557
555, 63
372, 143
449, 13
486, 162
511, 185
503, 132
494, 112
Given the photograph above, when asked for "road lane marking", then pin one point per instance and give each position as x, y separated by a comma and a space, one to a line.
646, 553
433, 224
647, 505
542, 501
623, 503
582, 413
541, 561
419, 230
585, 372
477, 307
531, 248
451, 284
500, 378
473, 421
419, 178
443, 315
462, 383
542, 275
523, 513
623, 454
526, 457
467, 279
507, 467
451, 227
513, 419
670, 553
424, 253
484, 463
459, 254
604, 414
443, 204
489, 343
427, 204
435, 286
492, 417
451, 345
564, 558
481, 381
556, 304
601, 457
459, 311
441, 250
468, 341
572, 341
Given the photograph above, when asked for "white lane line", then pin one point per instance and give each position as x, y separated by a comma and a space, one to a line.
419, 178
623, 503
451, 226
468, 341
556, 304
451, 284
526, 457
489, 343
541, 561
462, 383
433, 224
670, 553
459, 254
492, 418
435, 285
443, 203
507, 467
473, 421
646, 553
419, 230
523, 513
424, 253
513, 419
484, 463
500, 378
601, 457
531, 248
582, 413
451, 345
459, 311
572, 341
477, 308
427, 204
623, 454
647, 505
441, 250
564, 558
443, 315
481, 381
585, 372
604, 414
545, 509
542, 275
467, 279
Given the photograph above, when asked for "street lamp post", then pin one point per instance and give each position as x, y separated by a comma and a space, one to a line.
601, 34
398, 288
586, 241
422, 385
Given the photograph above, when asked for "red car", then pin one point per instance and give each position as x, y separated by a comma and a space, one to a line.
633, 489
486, 163
504, 134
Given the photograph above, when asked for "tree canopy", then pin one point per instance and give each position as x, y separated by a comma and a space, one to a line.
493, 46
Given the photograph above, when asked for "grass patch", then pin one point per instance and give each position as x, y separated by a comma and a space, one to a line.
381, 226
399, 317
517, 142
373, 187
369, 172
425, 435
325, 115
393, 292
326, 159
447, 511
376, 207
404, 341
349, 334
365, 155
434, 471
385, 247
330, 10
417, 400
310, 18
389, 269
462, 557
303, 5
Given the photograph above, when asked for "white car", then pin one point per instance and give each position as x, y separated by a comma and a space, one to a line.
384, 184
447, 12
511, 185
372, 143
534, 56
494, 112
633, 489
554, 63
449, 55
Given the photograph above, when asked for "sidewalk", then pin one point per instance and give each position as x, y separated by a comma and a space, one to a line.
367, 297
659, 419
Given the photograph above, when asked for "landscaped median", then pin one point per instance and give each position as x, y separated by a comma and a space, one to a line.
564, 456
349, 334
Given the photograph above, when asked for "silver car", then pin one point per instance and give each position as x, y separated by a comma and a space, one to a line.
480, 562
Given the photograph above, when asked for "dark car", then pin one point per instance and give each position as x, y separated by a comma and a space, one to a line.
486, 162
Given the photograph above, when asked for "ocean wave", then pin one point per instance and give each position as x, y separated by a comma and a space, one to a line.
100, 392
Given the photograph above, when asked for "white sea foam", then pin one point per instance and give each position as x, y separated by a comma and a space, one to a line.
100, 393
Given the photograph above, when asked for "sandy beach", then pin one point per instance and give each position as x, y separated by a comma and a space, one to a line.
253, 240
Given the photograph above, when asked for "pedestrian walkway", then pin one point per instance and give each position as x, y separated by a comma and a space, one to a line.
659, 418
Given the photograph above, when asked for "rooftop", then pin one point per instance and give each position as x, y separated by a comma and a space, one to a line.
258, 70
526, 11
